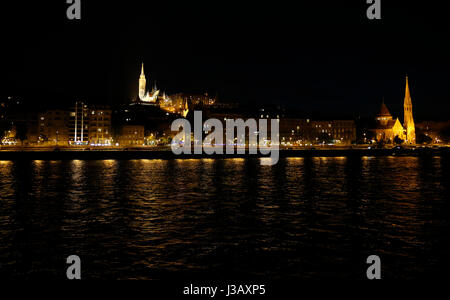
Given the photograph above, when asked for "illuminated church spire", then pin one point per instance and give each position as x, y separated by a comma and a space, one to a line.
408, 119
144, 95
185, 111
142, 83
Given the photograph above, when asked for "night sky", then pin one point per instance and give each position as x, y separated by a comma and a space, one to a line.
316, 57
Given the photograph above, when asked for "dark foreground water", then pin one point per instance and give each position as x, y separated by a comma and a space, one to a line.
225, 219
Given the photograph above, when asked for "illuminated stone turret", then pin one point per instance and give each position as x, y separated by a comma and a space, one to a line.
384, 116
144, 95
408, 120
142, 83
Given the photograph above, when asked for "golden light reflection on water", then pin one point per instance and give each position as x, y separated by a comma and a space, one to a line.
329, 160
38, 162
208, 160
186, 160
294, 158
150, 213
268, 161
5, 172
76, 168
77, 162
237, 159
368, 157
149, 161
234, 161
109, 163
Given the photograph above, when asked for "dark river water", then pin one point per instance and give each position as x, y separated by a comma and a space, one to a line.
225, 218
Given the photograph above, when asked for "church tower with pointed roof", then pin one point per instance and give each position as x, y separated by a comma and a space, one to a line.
147, 97
142, 83
408, 120
384, 116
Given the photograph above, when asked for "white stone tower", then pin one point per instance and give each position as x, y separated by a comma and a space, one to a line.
142, 83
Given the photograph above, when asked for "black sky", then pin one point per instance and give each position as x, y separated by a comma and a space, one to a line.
317, 55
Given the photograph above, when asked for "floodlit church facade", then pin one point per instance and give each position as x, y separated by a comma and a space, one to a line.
388, 128
144, 95
161, 100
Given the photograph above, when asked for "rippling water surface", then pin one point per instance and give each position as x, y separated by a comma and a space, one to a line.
225, 219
